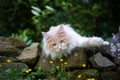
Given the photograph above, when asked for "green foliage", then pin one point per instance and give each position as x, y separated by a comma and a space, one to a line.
52, 70
58, 72
55, 73
88, 17
94, 73
14, 15
10, 74
24, 35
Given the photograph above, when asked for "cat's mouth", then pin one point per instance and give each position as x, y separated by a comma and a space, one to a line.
61, 51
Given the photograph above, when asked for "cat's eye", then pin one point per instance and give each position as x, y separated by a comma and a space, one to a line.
61, 41
54, 44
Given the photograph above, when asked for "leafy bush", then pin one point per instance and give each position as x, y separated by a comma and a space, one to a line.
14, 15
24, 35
88, 17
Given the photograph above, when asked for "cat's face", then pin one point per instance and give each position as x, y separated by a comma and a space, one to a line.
57, 41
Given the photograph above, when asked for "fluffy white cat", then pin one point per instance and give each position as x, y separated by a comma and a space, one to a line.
62, 39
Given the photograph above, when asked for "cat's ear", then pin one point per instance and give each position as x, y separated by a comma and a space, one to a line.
45, 35
61, 29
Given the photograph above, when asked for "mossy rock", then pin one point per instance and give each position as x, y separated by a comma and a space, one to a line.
86, 74
11, 46
7, 49
4, 59
13, 41
10, 65
74, 60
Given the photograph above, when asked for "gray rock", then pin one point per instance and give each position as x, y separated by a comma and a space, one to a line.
6, 49
13, 41
112, 51
29, 54
110, 75
115, 52
101, 62
10, 46
85, 74
118, 69
74, 60
4, 59
17, 66
115, 47
115, 38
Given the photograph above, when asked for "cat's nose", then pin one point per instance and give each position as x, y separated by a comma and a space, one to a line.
60, 48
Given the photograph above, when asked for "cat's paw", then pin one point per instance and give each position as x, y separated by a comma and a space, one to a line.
99, 41
105, 43
96, 41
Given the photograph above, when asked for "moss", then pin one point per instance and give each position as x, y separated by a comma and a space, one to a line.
8, 52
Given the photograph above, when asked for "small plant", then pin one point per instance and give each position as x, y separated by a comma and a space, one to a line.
57, 72
24, 35
10, 74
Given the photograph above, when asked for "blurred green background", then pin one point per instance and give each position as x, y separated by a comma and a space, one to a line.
25, 19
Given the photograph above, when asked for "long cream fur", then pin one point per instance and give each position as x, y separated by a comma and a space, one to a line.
74, 40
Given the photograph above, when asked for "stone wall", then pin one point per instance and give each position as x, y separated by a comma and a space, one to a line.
106, 59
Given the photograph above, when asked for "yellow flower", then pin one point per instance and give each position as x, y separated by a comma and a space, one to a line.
8, 61
92, 78
27, 71
51, 62
39, 68
33, 76
65, 63
61, 60
83, 65
57, 67
79, 76
88, 79
0, 65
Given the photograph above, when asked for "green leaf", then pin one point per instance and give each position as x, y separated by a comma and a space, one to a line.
45, 1
35, 12
52, 70
47, 12
29, 42
94, 72
63, 78
36, 9
95, 6
49, 8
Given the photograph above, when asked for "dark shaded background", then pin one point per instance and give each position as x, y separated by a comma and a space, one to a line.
29, 17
